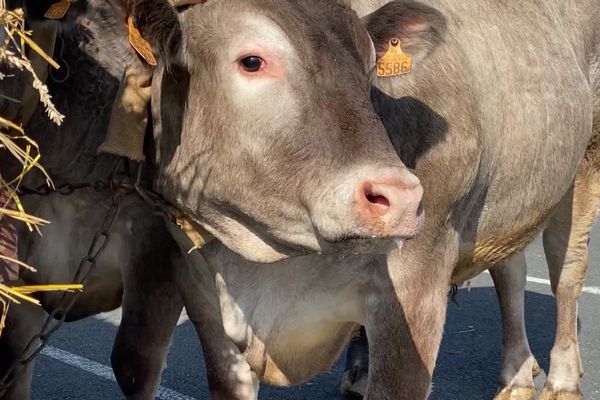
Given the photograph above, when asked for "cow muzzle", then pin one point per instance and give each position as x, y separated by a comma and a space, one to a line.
392, 207
377, 203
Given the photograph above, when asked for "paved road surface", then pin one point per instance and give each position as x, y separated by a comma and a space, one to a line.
76, 365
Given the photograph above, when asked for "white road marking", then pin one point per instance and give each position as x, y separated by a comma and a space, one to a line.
586, 289
114, 317
103, 371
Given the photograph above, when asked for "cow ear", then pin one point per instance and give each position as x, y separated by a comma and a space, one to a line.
34, 9
420, 28
158, 23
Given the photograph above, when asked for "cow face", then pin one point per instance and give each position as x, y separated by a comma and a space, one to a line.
265, 132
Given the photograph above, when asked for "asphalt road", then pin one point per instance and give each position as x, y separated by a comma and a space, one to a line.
76, 366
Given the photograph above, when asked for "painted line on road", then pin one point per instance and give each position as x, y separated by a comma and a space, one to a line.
586, 289
103, 371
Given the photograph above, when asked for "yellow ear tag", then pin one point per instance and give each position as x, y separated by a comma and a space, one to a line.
58, 10
140, 44
394, 62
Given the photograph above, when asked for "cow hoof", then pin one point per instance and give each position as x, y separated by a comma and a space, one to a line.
516, 393
536, 369
549, 394
354, 384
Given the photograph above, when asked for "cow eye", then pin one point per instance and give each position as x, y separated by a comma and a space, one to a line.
251, 63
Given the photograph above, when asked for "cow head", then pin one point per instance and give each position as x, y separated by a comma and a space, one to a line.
265, 133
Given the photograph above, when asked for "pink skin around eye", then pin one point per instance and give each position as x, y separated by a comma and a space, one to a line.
271, 66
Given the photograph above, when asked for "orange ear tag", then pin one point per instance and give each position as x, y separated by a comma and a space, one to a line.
58, 10
394, 62
140, 44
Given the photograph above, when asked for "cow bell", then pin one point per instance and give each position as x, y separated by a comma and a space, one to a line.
129, 117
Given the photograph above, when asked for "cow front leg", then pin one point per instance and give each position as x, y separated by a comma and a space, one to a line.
151, 307
566, 247
150, 316
405, 316
518, 363
228, 373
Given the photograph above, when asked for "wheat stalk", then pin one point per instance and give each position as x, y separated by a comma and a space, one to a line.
14, 141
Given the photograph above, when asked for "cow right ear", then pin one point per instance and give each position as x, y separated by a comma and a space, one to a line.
158, 23
420, 28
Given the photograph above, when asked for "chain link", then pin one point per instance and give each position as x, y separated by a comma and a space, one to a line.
65, 190
119, 187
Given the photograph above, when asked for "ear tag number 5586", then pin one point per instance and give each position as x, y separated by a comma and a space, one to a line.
394, 62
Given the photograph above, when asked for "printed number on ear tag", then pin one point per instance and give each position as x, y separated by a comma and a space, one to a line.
58, 10
394, 62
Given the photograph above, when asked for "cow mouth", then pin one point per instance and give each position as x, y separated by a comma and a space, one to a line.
260, 245
355, 245
361, 245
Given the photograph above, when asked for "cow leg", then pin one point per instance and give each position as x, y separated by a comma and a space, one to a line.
229, 375
566, 247
405, 317
150, 315
22, 323
518, 363
151, 307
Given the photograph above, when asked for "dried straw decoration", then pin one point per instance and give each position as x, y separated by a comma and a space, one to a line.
14, 40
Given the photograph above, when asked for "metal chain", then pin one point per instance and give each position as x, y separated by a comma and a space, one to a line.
100, 241
65, 190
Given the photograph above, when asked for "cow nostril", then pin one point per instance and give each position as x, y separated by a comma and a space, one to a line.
378, 199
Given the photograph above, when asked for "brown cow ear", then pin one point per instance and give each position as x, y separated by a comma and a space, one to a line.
420, 28
158, 23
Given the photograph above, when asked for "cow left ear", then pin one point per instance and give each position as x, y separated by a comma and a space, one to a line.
158, 22
420, 28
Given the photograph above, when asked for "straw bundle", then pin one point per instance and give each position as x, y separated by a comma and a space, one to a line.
15, 45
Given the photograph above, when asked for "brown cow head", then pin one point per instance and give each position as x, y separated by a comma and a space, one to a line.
264, 128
